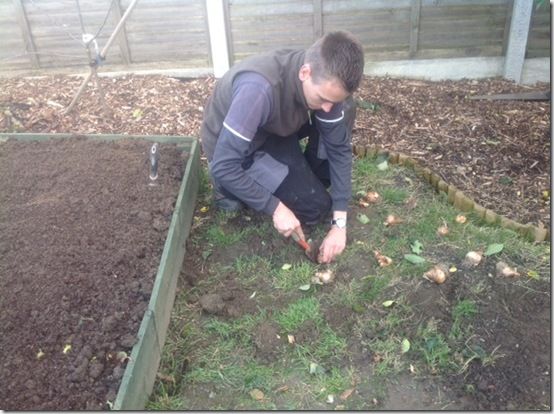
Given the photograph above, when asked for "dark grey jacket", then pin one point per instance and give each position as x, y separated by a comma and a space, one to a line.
289, 113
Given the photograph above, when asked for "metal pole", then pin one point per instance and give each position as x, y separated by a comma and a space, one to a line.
102, 56
118, 28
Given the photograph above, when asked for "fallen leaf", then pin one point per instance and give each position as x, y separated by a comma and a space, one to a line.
257, 394
66, 348
405, 345
316, 368
453, 269
286, 266
414, 258
493, 249
362, 218
363, 203
382, 166
137, 114
388, 303
416, 247
204, 209
412, 369
304, 287
330, 399
40, 354
533, 274
252, 295
346, 394
291, 339
282, 388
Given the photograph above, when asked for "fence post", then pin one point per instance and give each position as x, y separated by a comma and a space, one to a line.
517, 41
26, 31
218, 36
414, 26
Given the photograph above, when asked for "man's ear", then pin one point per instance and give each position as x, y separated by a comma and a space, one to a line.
305, 72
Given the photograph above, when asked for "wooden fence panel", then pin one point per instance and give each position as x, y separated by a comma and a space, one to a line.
57, 32
13, 53
538, 44
164, 33
383, 28
260, 25
451, 29
169, 31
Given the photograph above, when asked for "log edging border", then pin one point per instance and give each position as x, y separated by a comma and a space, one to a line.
455, 196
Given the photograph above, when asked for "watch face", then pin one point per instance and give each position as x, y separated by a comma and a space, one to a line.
340, 222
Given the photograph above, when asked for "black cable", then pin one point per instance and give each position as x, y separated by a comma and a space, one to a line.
105, 20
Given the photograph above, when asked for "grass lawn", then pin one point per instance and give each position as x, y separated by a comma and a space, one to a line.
252, 330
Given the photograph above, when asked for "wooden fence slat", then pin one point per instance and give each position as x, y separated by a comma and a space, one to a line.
177, 30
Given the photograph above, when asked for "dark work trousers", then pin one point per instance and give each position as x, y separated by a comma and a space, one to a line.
304, 188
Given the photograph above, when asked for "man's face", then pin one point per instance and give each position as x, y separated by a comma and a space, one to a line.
321, 95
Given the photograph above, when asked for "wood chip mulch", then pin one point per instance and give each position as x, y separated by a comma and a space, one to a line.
496, 152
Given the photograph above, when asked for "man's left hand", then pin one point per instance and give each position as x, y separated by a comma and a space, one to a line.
333, 245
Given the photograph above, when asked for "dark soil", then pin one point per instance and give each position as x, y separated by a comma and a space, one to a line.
82, 234
512, 317
497, 152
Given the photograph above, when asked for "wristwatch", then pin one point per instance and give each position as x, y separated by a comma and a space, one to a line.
339, 222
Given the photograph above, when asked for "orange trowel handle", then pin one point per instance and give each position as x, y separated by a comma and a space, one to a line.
300, 241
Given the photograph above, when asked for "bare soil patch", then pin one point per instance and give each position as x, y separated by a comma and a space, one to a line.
82, 236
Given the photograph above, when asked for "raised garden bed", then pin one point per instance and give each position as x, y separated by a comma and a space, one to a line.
91, 249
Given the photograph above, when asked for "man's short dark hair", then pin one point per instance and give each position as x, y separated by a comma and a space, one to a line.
337, 55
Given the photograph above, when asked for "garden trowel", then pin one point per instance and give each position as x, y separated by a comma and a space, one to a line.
309, 250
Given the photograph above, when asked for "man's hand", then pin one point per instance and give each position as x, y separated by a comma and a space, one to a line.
333, 245
286, 222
